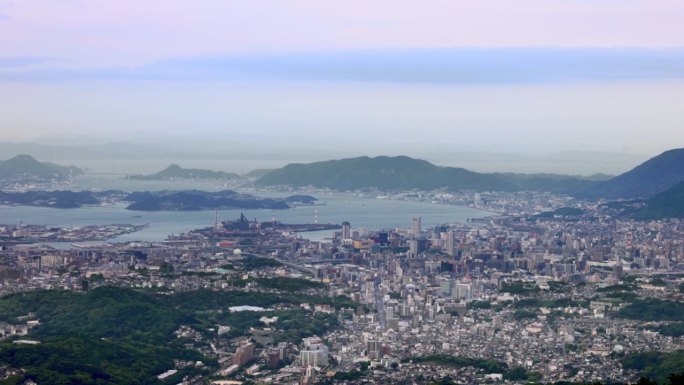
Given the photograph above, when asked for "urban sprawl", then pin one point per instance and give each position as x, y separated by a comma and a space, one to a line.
541, 291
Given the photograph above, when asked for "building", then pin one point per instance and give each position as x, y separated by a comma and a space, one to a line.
309, 377
315, 354
416, 227
244, 353
273, 358
451, 244
346, 230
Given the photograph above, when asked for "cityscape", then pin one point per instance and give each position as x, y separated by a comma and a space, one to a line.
303, 192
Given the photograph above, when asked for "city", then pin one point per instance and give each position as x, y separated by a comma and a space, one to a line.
342, 192
540, 291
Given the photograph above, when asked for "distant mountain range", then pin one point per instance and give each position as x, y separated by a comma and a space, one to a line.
174, 171
405, 173
23, 166
646, 180
659, 180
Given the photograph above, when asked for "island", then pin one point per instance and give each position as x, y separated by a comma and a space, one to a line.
175, 171
167, 200
193, 200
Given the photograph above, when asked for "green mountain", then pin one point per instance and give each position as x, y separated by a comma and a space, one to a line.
193, 200
382, 172
646, 180
112, 335
663, 367
55, 199
174, 171
258, 173
22, 166
559, 184
667, 204
405, 173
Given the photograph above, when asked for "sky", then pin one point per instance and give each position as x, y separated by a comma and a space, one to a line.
431, 79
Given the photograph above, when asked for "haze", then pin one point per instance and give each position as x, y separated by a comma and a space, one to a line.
538, 86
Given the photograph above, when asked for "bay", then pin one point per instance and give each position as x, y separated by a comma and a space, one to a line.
360, 211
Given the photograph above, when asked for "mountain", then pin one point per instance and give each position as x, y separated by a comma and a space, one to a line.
258, 173
176, 172
27, 166
405, 173
646, 180
382, 172
54, 199
667, 204
558, 184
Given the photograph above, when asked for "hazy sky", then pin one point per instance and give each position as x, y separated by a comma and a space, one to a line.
349, 76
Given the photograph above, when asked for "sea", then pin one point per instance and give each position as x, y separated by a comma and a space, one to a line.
362, 211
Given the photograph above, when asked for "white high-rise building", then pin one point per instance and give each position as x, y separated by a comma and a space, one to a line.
451, 243
314, 354
416, 227
346, 230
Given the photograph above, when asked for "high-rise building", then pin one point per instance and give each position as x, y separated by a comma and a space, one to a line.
314, 354
413, 248
273, 358
346, 230
244, 353
462, 291
373, 349
317, 357
451, 244
416, 227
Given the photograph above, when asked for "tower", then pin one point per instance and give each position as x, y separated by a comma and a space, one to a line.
451, 243
416, 227
346, 230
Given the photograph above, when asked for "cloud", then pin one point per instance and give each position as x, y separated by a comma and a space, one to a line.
16, 62
475, 66
458, 65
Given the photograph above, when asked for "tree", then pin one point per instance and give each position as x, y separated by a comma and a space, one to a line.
676, 379
646, 381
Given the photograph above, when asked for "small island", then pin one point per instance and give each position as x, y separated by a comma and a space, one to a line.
194, 200
23, 170
55, 199
186, 200
175, 171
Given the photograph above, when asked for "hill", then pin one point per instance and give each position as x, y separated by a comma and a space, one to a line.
656, 365
55, 199
23, 166
559, 184
382, 172
258, 173
174, 171
646, 180
667, 204
200, 200
112, 335
405, 173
